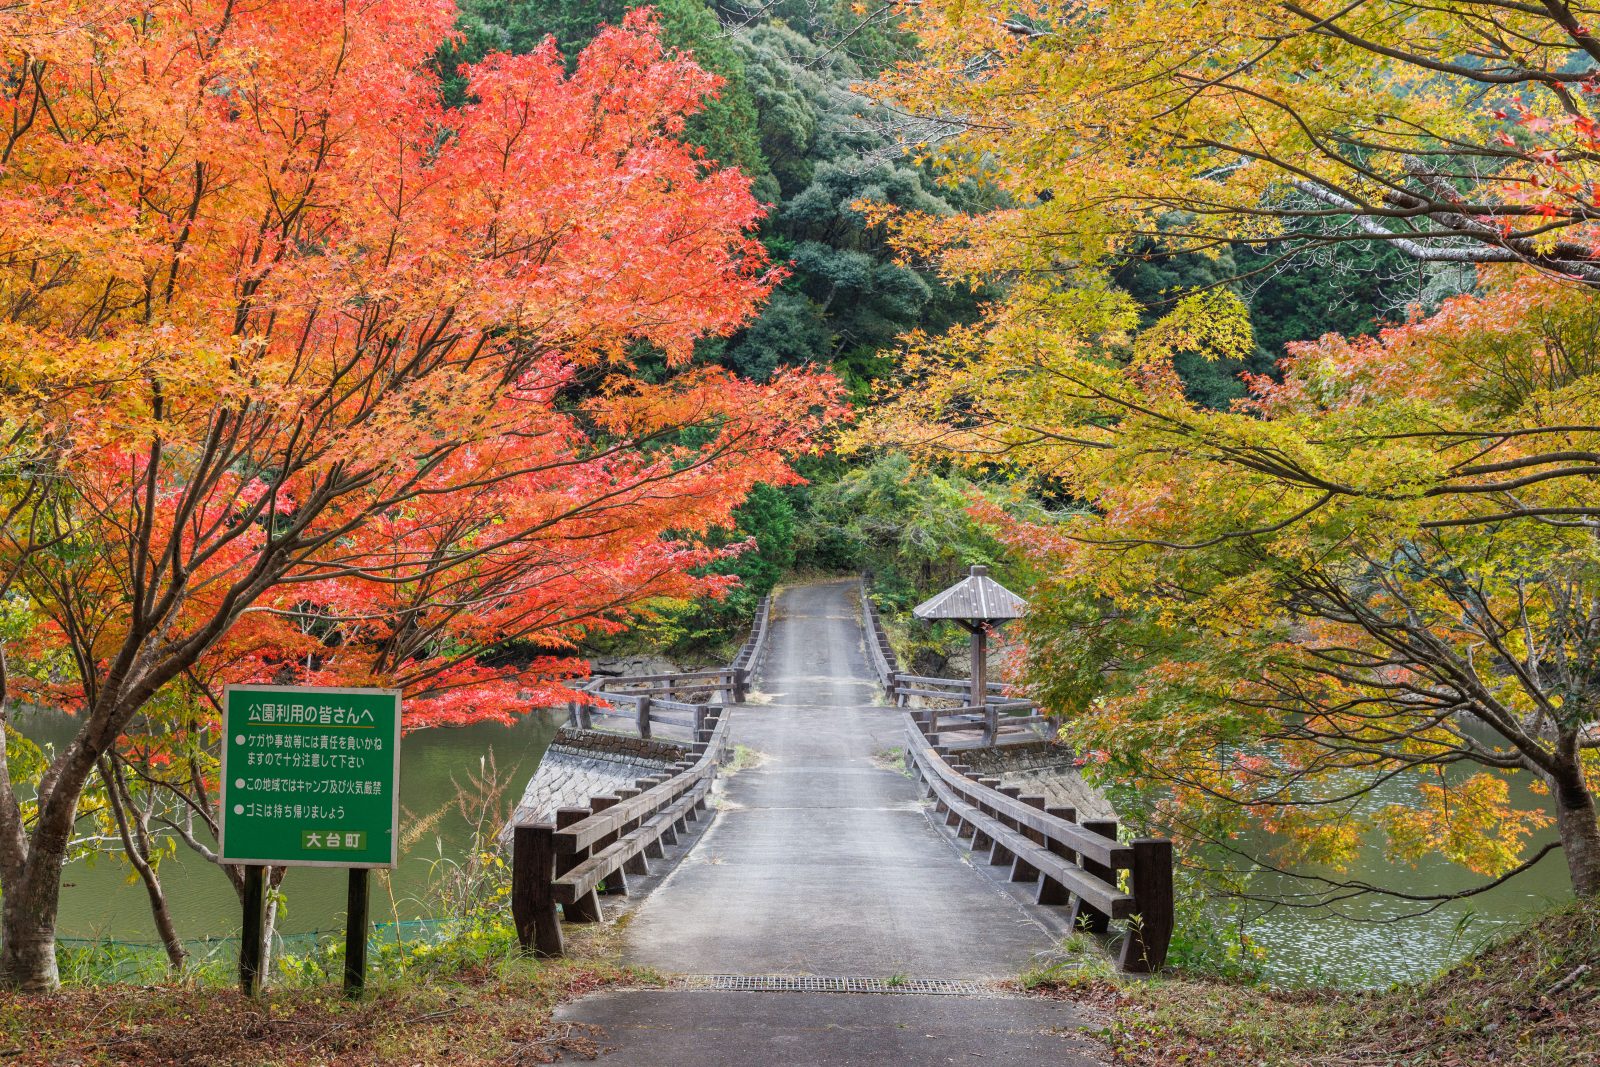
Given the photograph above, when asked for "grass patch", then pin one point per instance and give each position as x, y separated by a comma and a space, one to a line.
1078, 963
1532, 1000
744, 758
468, 1002
892, 759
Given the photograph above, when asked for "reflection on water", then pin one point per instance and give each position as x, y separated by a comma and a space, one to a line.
99, 901
1320, 947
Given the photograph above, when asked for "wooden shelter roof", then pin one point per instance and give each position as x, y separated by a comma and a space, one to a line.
976, 598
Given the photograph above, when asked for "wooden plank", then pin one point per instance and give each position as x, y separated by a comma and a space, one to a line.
579, 835
1103, 897
1006, 708
582, 879
633, 679
912, 691
1092, 846
955, 683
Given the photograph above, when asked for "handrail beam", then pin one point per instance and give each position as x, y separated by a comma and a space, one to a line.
1073, 837
597, 868
1100, 895
581, 835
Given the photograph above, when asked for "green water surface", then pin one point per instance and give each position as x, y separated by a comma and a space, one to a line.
99, 902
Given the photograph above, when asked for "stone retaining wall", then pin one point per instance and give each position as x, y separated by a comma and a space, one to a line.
581, 764
1040, 768
621, 748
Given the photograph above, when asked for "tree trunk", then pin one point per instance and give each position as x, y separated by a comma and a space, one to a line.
33, 892
1579, 830
28, 932
134, 829
274, 880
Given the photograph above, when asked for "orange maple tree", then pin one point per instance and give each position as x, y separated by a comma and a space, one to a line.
311, 378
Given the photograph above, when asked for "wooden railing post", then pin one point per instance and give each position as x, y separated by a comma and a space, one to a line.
1144, 951
617, 882
982, 842
1000, 854
586, 715
636, 864
681, 824
714, 714
533, 904
1084, 916
585, 909
644, 716
1022, 870
991, 723
652, 848
1050, 890
953, 817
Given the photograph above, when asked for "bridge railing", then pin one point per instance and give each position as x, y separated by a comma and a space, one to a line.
754, 649
998, 714
567, 863
642, 711
880, 653
1076, 864
652, 699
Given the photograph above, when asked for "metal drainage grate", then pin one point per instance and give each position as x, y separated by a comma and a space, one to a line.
782, 983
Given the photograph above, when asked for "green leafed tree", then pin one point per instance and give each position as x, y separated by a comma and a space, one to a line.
849, 297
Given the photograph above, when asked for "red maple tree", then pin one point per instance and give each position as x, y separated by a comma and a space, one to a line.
311, 377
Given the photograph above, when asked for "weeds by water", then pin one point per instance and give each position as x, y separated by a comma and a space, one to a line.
893, 759
455, 990
467, 893
1076, 961
744, 758
1532, 1000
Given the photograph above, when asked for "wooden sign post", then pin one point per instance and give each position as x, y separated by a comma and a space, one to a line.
310, 778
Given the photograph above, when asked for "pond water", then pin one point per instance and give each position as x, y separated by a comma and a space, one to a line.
98, 902
1362, 942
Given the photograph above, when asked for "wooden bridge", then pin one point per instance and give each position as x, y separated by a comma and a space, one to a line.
851, 846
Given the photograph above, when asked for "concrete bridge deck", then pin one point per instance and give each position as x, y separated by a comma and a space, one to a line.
821, 862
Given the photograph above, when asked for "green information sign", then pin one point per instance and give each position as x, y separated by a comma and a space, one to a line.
310, 777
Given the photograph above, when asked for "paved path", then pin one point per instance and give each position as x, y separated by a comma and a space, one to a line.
820, 861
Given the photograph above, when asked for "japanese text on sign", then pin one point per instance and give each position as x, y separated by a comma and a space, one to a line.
310, 777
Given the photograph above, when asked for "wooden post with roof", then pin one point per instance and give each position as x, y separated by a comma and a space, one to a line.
975, 603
